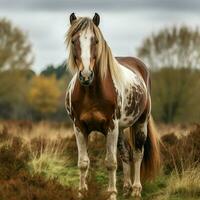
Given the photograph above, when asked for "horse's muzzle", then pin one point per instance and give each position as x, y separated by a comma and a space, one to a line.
86, 80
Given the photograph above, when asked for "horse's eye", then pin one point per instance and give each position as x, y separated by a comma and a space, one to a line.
97, 41
73, 42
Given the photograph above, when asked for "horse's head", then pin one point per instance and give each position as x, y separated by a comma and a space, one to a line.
82, 39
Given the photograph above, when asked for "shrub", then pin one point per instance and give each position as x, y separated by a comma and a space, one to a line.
13, 158
183, 153
28, 187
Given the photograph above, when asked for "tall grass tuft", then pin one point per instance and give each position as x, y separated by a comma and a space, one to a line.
48, 159
187, 184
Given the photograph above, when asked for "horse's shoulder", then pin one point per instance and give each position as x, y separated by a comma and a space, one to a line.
136, 65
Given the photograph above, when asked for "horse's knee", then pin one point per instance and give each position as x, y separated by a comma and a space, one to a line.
111, 163
138, 155
83, 164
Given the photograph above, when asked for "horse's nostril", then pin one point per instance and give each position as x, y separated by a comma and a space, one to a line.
81, 76
86, 79
91, 74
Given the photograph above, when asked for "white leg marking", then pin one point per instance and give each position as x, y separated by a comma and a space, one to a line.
138, 156
111, 159
137, 187
83, 159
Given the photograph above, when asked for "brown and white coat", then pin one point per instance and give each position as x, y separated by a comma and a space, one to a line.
107, 95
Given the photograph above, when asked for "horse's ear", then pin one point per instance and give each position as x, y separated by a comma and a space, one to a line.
96, 19
72, 18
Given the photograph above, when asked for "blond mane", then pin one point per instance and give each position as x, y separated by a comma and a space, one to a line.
105, 59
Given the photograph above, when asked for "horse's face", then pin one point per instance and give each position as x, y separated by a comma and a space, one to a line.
84, 45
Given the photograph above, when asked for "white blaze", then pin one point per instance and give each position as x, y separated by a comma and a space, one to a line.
85, 43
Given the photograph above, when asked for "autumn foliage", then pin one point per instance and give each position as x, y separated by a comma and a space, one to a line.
44, 94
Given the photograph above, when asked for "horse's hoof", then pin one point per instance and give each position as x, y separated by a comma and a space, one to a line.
127, 190
80, 195
82, 192
136, 192
113, 196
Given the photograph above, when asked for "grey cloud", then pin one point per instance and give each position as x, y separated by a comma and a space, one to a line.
115, 5
124, 23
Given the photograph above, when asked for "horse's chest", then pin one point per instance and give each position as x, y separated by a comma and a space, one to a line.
94, 114
131, 104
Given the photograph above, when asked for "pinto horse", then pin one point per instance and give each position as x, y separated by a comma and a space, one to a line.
108, 94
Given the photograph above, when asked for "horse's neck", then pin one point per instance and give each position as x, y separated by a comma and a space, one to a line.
120, 75
102, 88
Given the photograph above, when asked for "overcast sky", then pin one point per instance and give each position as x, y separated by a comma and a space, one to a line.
124, 23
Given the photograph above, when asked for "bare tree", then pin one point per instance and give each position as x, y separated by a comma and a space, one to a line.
173, 55
15, 49
172, 47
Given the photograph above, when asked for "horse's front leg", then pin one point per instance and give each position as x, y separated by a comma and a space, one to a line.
111, 159
83, 160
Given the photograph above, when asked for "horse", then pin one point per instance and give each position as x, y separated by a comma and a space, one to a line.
108, 94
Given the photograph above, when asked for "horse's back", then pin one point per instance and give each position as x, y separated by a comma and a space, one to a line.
136, 65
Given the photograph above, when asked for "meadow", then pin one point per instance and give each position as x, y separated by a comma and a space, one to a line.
38, 156
39, 161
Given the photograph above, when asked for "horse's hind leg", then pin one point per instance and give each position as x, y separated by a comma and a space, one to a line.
83, 160
140, 134
125, 155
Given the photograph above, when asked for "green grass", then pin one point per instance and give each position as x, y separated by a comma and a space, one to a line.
55, 168
101, 177
154, 188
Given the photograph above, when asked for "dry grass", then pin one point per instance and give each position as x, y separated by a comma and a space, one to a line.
179, 154
28, 130
181, 186
50, 157
39, 161
45, 156
186, 184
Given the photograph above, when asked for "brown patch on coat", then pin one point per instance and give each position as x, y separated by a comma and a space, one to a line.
136, 101
139, 140
94, 106
118, 112
93, 116
125, 119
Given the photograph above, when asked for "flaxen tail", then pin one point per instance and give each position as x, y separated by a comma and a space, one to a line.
151, 160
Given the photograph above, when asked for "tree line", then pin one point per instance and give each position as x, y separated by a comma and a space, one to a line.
172, 54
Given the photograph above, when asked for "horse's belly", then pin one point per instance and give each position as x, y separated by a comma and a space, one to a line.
126, 121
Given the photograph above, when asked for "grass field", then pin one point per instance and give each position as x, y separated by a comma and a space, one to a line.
39, 161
